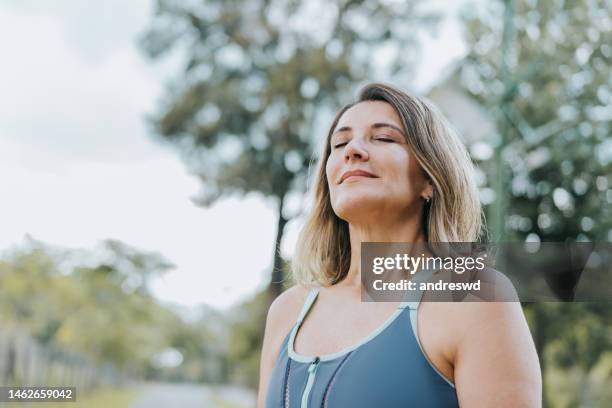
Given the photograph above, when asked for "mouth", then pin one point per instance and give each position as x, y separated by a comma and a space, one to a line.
356, 174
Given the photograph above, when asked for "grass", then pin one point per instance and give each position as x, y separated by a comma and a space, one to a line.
222, 403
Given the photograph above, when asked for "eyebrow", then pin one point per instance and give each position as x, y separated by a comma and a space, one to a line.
374, 126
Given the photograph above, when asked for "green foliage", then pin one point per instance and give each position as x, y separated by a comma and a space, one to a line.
100, 310
556, 100
550, 93
246, 329
257, 76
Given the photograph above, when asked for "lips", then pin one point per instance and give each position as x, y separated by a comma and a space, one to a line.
361, 173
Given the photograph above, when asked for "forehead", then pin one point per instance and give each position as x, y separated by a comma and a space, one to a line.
365, 113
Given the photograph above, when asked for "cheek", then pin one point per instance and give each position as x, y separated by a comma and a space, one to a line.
415, 179
403, 176
399, 166
329, 173
331, 168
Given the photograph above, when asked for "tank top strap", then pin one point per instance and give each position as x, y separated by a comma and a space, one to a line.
413, 298
310, 298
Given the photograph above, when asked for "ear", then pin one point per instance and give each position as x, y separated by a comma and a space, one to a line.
428, 190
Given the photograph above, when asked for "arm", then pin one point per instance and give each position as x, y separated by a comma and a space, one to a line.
496, 362
282, 315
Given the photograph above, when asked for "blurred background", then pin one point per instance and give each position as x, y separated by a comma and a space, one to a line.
154, 158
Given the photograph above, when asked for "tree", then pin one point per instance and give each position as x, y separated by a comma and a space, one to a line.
259, 80
555, 100
95, 304
548, 87
132, 268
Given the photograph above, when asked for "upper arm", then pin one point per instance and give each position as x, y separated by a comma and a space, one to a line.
281, 315
496, 362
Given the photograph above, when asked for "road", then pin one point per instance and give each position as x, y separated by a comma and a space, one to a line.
162, 395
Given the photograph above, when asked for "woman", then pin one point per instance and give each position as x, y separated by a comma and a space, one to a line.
392, 170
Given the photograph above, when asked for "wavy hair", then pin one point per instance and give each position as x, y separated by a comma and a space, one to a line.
454, 213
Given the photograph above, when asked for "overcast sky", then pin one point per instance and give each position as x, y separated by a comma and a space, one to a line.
77, 165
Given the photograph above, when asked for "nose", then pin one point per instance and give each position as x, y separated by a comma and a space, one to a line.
355, 150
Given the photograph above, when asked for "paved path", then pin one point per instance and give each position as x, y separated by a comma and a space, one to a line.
162, 395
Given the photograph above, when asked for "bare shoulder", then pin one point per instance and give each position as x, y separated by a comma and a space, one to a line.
493, 337
484, 344
494, 305
495, 286
495, 299
282, 314
285, 308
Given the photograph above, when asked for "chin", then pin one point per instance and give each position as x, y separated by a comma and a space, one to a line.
356, 207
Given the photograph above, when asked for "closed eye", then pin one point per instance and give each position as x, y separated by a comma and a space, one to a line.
385, 139
382, 139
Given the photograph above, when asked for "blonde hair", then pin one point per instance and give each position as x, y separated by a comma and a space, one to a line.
454, 213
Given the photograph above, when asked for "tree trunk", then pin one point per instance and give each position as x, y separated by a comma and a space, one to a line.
276, 283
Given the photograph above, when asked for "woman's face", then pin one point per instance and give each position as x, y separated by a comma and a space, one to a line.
371, 173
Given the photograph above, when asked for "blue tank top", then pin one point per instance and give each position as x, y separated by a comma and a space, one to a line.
386, 369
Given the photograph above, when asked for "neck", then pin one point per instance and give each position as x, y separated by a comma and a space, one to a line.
408, 230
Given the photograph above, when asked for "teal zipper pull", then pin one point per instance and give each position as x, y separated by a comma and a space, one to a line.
312, 372
313, 366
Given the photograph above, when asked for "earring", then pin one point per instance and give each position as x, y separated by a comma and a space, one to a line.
427, 199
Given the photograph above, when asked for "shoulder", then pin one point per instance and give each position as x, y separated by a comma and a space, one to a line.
282, 315
452, 326
496, 360
493, 337
284, 310
281, 318
493, 311
495, 286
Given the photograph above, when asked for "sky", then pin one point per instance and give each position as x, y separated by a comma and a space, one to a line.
78, 163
